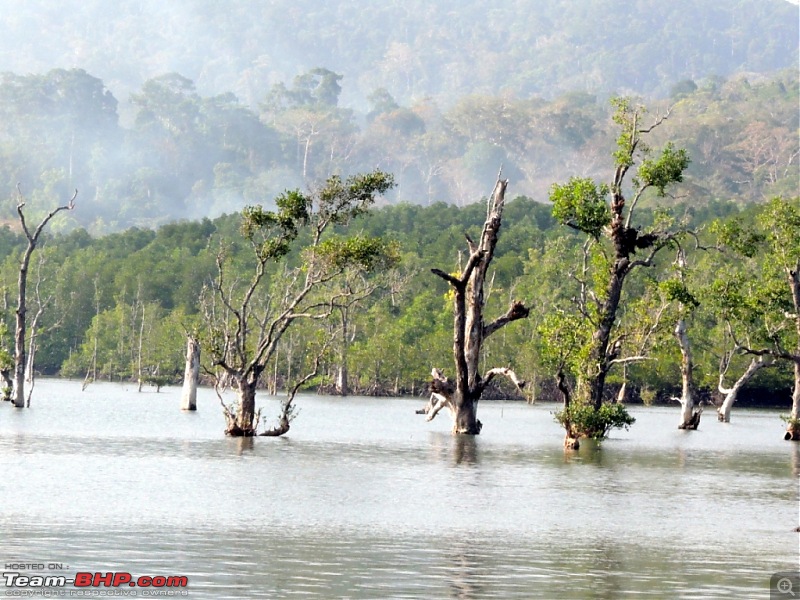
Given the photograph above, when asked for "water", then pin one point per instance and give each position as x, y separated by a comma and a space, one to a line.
364, 499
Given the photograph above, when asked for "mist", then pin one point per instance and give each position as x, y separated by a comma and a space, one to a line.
160, 111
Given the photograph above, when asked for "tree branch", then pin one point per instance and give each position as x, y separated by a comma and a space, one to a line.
506, 372
447, 277
516, 311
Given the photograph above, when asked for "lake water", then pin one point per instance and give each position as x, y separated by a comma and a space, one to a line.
364, 499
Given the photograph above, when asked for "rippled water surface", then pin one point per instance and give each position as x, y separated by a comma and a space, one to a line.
364, 499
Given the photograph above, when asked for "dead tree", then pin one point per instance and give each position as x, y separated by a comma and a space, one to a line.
36, 331
470, 331
18, 393
191, 374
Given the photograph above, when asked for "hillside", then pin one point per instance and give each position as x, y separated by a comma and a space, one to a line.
414, 49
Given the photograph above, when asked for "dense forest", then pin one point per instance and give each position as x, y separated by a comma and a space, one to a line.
443, 50
181, 160
118, 307
189, 156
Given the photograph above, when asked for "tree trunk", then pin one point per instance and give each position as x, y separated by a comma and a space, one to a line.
793, 431
342, 388
18, 393
571, 439
465, 419
690, 415
243, 424
191, 374
469, 328
139, 374
732, 394
5, 374
600, 362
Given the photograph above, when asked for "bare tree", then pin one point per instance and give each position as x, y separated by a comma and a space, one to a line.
36, 331
470, 330
191, 374
18, 392
690, 409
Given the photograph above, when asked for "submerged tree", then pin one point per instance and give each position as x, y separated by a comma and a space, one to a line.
763, 310
677, 291
470, 330
191, 375
605, 214
18, 392
245, 320
728, 298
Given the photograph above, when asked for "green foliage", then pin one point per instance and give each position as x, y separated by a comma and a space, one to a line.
562, 340
781, 221
581, 204
399, 336
6, 357
627, 117
362, 252
341, 201
666, 169
276, 230
676, 290
582, 420
793, 423
732, 233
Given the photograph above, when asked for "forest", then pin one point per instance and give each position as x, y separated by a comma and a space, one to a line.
194, 190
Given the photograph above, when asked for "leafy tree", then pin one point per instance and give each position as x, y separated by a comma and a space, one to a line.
763, 310
605, 215
243, 325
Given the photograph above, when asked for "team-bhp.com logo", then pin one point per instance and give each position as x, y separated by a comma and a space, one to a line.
157, 584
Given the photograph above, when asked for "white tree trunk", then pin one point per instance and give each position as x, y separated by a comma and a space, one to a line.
191, 375
690, 414
793, 431
732, 394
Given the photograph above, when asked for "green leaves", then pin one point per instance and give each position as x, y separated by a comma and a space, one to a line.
627, 117
664, 170
362, 252
277, 229
337, 202
584, 421
781, 220
675, 290
735, 235
580, 203
340, 201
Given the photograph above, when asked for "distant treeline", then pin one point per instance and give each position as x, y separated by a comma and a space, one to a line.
415, 49
127, 299
181, 155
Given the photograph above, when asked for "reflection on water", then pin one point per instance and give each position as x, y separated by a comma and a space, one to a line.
364, 499
465, 450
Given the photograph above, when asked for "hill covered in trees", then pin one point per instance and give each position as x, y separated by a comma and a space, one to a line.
413, 49
186, 155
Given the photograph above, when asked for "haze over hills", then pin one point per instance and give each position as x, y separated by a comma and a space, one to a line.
159, 111
413, 48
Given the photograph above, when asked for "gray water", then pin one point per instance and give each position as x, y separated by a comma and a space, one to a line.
364, 499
